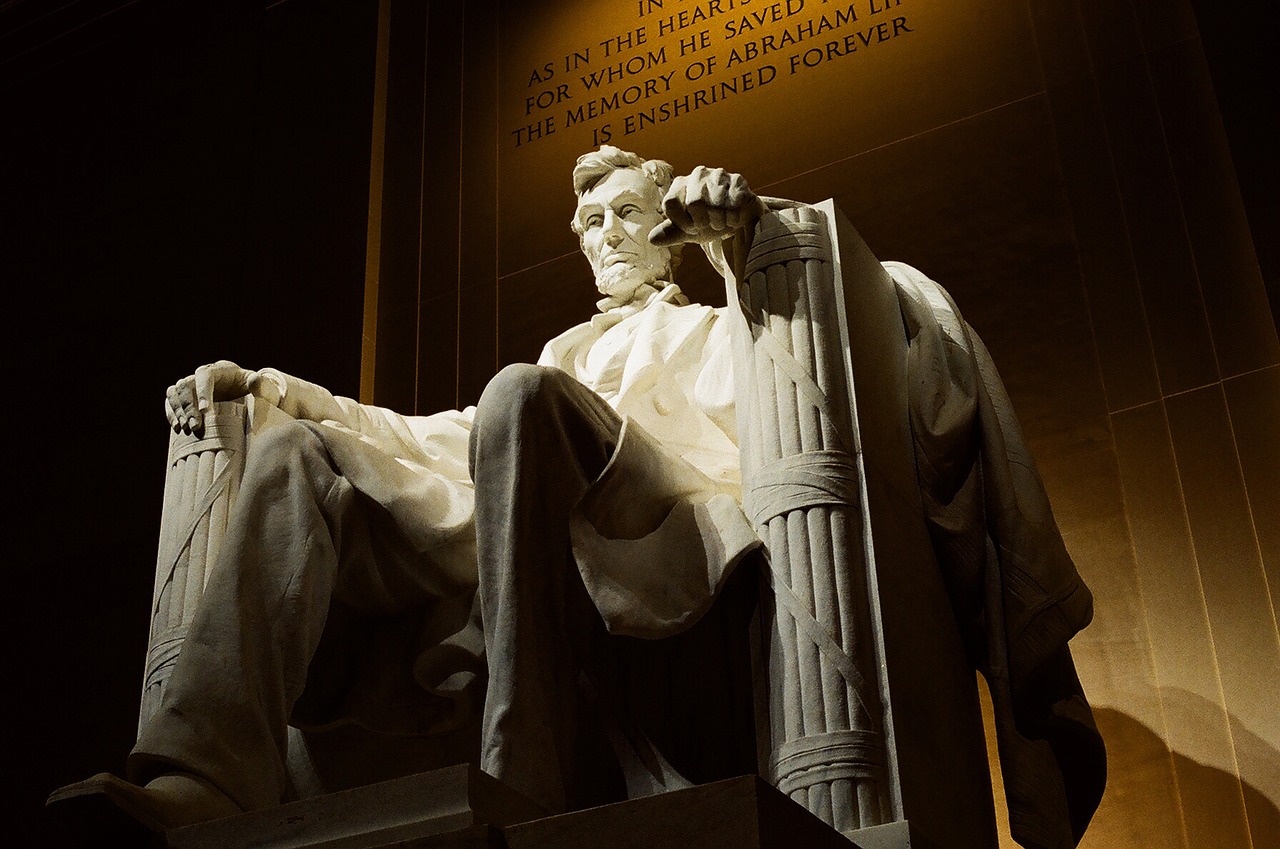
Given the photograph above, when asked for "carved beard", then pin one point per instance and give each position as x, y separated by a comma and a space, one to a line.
623, 283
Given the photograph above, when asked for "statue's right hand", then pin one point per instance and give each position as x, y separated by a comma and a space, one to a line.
187, 400
708, 205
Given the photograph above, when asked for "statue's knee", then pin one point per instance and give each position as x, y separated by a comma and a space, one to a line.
513, 398
518, 387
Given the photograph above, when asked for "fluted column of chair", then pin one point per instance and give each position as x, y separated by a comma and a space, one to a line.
201, 484
802, 491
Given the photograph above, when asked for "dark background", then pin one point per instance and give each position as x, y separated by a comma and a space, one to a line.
183, 184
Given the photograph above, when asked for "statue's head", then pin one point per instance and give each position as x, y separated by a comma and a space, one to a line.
619, 202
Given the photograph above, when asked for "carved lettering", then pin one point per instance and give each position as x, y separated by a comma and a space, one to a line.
815, 56
768, 15
725, 48
615, 73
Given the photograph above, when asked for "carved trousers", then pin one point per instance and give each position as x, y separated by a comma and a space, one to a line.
539, 440
301, 543
301, 539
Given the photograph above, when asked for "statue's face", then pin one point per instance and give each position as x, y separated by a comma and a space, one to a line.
616, 216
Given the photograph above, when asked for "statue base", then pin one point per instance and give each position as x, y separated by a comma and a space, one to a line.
460, 807
745, 812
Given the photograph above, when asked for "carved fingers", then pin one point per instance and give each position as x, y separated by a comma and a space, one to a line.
187, 400
708, 204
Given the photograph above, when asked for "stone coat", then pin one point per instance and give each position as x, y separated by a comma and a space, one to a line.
667, 370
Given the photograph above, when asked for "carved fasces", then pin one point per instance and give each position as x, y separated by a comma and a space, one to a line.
202, 481
801, 479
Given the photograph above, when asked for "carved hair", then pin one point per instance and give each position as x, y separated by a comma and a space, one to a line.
595, 166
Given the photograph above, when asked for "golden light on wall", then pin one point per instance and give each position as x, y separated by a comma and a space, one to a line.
769, 89
1060, 166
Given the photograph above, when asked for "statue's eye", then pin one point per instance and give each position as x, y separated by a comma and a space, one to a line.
594, 221
629, 211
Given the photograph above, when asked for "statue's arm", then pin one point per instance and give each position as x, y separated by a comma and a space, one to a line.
707, 206
188, 400
717, 210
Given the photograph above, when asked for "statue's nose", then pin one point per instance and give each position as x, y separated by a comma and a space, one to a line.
612, 226
614, 239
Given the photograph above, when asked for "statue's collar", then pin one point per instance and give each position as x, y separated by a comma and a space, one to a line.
647, 295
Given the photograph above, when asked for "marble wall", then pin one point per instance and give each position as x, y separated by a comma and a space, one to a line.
178, 183
1061, 166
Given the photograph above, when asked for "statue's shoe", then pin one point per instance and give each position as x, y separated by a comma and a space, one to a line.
108, 811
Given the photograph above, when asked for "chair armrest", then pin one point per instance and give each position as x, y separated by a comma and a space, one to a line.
202, 480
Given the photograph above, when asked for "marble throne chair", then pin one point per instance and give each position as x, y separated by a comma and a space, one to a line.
865, 708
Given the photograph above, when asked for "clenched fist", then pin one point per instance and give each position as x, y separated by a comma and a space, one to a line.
708, 204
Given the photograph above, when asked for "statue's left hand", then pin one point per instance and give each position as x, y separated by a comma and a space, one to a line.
707, 205
187, 401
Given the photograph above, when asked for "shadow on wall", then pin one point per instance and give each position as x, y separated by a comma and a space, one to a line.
1144, 807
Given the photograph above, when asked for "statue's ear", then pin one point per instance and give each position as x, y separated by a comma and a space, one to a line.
660, 171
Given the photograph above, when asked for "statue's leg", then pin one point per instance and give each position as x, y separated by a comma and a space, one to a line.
539, 440
299, 536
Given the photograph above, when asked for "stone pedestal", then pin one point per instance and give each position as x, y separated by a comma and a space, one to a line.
744, 812
460, 807
454, 807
